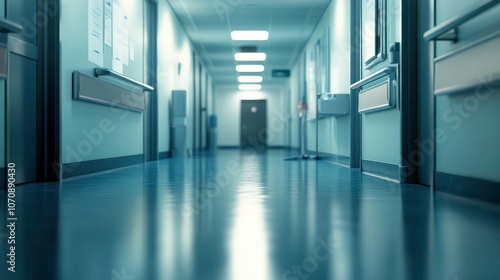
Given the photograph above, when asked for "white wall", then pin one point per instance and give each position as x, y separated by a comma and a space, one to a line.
228, 110
174, 47
334, 133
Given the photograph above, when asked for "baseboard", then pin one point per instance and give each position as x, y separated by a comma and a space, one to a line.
342, 160
88, 167
164, 155
385, 170
468, 187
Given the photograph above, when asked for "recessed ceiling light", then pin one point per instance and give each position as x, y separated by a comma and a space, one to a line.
243, 56
250, 87
250, 68
250, 79
250, 35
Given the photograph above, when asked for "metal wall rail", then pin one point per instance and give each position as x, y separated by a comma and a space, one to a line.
448, 29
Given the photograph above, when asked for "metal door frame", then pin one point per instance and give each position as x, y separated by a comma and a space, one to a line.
150, 117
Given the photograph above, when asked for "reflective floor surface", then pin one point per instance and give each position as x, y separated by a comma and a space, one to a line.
248, 216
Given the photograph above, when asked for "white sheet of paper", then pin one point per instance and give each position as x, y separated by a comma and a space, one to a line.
125, 41
95, 32
132, 51
108, 6
117, 38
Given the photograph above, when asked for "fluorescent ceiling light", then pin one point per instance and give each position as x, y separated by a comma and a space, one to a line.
250, 56
250, 68
250, 79
250, 87
250, 35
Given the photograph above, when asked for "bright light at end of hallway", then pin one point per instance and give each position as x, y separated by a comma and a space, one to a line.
250, 35
250, 79
250, 68
251, 95
250, 87
250, 56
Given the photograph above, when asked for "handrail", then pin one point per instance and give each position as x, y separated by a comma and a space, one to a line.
377, 75
7, 26
110, 73
453, 23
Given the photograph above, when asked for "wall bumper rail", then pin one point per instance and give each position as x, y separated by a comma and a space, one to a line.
92, 89
479, 68
7, 26
105, 72
378, 91
448, 30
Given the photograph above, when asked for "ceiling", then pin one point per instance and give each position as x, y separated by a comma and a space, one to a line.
209, 24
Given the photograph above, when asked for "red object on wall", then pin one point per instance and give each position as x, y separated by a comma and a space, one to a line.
301, 106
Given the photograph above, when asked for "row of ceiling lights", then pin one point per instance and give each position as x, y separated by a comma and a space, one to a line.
248, 82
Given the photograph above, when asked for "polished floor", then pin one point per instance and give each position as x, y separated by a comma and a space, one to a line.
240, 215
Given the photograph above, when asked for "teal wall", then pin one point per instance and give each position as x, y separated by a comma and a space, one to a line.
381, 131
381, 139
333, 132
79, 116
470, 145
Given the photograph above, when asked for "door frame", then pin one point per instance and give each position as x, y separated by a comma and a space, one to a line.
410, 89
150, 117
50, 49
48, 94
355, 117
427, 109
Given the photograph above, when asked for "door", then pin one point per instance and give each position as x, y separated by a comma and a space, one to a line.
151, 112
254, 123
426, 100
23, 88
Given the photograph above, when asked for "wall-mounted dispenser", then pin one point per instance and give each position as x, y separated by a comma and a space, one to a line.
334, 104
